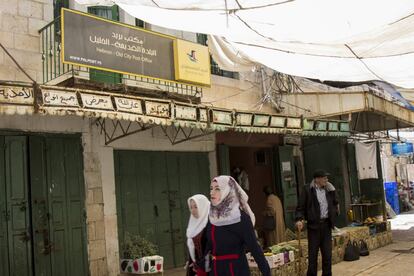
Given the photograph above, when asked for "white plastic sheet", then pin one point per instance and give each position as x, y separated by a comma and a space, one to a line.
337, 40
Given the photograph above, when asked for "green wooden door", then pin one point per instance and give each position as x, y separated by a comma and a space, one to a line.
17, 204
4, 216
288, 182
111, 13
327, 154
152, 192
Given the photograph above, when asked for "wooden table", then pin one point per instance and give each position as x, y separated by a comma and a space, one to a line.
367, 206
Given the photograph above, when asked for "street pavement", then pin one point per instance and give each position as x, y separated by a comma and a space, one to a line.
396, 259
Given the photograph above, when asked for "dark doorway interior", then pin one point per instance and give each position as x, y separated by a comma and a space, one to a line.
257, 163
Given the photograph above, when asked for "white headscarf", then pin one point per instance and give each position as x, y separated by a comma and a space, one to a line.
196, 225
233, 198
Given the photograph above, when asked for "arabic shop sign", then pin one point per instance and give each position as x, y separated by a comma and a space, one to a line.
128, 105
95, 101
60, 98
98, 43
16, 95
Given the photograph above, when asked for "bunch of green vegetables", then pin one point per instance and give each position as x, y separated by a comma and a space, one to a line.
276, 249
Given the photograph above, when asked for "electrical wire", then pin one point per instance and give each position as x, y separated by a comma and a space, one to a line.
17, 64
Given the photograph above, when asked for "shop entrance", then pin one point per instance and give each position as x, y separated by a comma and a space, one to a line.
275, 167
329, 154
42, 224
266, 162
152, 191
256, 164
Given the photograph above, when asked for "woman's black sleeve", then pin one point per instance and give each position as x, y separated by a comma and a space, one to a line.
253, 246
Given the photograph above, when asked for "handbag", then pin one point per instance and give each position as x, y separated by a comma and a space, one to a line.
363, 248
351, 251
269, 223
269, 220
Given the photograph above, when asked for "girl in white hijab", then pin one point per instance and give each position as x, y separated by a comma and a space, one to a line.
199, 207
231, 231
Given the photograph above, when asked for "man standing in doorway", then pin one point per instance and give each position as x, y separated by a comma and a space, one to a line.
274, 232
319, 207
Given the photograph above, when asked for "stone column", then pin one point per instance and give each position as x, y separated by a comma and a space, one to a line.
94, 203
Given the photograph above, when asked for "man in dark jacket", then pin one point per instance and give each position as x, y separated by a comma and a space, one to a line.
319, 207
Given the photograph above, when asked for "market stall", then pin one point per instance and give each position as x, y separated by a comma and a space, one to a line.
284, 258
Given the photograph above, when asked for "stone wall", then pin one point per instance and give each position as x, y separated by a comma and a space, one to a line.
20, 21
94, 204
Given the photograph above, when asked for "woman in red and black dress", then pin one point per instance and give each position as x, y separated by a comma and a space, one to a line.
196, 235
230, 231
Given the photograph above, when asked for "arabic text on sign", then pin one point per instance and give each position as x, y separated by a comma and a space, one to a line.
11, 93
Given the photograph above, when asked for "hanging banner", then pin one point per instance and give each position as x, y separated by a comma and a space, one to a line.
402, 148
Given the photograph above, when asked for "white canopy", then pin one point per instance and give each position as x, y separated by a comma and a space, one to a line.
336, 40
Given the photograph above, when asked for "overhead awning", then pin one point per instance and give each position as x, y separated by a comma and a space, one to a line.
366, 111
61, 101
352, 41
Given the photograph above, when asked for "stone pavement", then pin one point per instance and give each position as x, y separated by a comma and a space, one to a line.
396, 259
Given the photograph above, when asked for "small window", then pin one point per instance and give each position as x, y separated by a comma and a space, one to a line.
111, 13
260, 158
139, 23
202, 39
215, 69
57, 7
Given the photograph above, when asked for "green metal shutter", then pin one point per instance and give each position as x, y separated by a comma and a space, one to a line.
66, 204
152, 192
224, 159
326, 154
75, 199
19, 240
4, 253
40, 206
288, 183
352, 169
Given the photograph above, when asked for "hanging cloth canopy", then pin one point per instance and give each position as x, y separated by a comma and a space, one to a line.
335, 40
